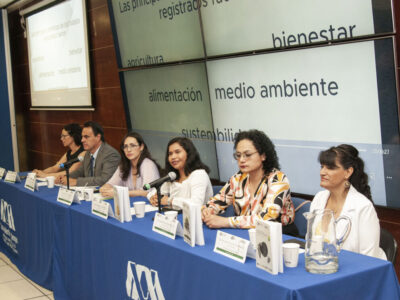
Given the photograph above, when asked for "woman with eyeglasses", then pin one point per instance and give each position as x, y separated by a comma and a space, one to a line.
258, 191
136, 167
71, 136
192, 182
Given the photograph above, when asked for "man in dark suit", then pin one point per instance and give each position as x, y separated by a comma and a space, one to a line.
100, 161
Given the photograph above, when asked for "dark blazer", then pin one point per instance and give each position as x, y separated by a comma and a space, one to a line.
105, 165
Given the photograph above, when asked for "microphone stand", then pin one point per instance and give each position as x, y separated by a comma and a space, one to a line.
158, 188
159, 198
67, 173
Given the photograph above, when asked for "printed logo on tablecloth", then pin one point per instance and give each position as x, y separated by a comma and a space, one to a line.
7, 226
142, 283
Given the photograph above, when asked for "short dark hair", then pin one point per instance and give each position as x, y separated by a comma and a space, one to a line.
75, 131
347, 156
263, 145
96, 127
193, 161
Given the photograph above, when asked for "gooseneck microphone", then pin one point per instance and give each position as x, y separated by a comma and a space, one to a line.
156, 183
71, 162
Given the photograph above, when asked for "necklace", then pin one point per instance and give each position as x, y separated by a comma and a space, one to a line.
334, 208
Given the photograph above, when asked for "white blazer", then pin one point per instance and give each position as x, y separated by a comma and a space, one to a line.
365, 230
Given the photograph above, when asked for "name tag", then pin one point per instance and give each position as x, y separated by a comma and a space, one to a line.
12, 177
30, 182
231, 246
102, 209
165, 225
67, 197
2, 171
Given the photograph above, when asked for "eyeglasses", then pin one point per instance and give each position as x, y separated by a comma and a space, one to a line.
130, 146
63, 136
245, 155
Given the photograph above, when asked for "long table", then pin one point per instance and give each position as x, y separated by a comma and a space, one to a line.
81, 256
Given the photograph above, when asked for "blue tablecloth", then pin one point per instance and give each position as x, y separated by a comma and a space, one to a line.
81, 256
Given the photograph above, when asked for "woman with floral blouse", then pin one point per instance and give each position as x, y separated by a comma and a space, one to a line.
258, 191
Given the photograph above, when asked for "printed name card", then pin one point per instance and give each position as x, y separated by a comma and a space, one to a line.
12, 177
30, 182
165, 225
231, 246
102, 209
2, 172
67, 196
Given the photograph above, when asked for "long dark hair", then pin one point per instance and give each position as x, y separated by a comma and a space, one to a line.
193, 161
263, 145
125, 164
347, 156
75, 131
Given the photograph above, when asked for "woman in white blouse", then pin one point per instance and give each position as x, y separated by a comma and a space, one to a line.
192, 182
136, 168
348, 193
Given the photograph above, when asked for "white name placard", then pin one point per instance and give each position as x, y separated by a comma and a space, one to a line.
67, 197
12, 177
102, 209
231, 246
30, 182
165, 225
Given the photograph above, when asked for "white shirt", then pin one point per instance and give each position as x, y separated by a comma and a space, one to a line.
365, 230
94, 155
196, 188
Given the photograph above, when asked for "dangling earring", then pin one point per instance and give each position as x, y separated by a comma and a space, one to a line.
347, 184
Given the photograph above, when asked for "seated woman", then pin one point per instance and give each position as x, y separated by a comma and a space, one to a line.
71, 136
192, 182
348, 193
135, 169
258, 191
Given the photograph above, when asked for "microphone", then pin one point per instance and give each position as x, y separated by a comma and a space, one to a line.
71, 162
156, 183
